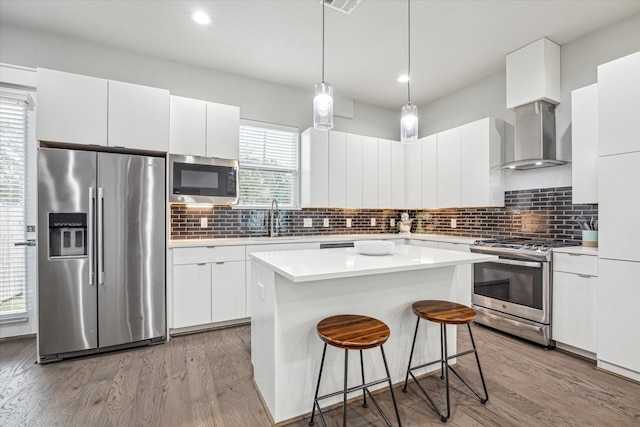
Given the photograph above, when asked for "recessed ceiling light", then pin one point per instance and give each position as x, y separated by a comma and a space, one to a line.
403, 78
201, 18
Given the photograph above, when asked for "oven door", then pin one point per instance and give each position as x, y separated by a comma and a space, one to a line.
516, 287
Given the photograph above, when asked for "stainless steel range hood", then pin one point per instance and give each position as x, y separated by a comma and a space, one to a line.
535, 137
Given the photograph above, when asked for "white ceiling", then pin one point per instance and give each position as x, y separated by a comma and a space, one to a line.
454, 43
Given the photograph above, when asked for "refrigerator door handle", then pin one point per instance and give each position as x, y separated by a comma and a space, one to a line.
100, 235
90, 249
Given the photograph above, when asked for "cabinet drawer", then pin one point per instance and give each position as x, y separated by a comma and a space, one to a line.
579, 264
199, 255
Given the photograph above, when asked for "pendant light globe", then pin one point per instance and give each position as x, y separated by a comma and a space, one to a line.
409, 123
323, 107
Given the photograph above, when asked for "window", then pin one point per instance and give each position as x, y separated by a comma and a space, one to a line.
13, 149
268, 165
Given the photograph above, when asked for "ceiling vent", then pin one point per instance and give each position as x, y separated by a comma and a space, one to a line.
344, 6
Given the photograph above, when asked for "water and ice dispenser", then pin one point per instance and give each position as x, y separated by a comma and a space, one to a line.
67, 234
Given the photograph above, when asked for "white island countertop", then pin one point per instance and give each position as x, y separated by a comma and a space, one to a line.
321, 264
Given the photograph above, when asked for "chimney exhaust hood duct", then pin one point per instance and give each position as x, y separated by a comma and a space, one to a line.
535, 137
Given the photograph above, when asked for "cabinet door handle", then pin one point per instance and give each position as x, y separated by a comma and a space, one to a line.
220, 262
585, 275
202, 263
574, 254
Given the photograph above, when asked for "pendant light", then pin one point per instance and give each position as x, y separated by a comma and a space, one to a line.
323, 100
409, 113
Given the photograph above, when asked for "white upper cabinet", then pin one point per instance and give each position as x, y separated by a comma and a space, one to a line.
619, 106
138, 117
584, 144
384, 173
188, 126
223, 131
90, 111
449, 168
370, 175
354, 171
429, 165
533, 73
397, 175
480, 185
337, 169
71, 108
200, 128
413, 174
314, 168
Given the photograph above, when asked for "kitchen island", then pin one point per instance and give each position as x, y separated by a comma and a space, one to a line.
293, 290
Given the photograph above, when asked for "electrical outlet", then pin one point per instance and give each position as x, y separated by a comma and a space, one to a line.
325, 222
392, 222
203, 222
308, 222
373, 222
453, 223
348, 222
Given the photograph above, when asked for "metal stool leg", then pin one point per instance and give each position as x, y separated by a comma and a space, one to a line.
393, 397
484, 386
344, 400
315, 399
364, 391
443, 332
442, 358
413, 345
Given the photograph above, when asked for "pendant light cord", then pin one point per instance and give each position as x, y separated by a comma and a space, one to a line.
409, 51
322, 41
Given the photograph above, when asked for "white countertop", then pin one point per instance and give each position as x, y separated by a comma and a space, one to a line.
322, 264
580, 250
316, 238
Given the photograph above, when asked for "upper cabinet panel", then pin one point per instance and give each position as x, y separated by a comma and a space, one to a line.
584, 144
223, 131
337, 169
619, 106
533, 73
449, 168
138, 117
188, 126
71, 108
314, 168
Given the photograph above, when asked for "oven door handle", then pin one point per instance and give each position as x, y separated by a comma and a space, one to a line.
518, 263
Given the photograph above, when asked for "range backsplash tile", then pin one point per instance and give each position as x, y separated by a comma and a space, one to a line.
544, 213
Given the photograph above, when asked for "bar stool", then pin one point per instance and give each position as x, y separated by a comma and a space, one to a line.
445, 313
353, 332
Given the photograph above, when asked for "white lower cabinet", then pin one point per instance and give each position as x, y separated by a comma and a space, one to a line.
208, 285
191, 295
618, 334
228, 291
575, 282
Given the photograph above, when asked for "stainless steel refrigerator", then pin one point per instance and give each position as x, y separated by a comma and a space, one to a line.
101, 252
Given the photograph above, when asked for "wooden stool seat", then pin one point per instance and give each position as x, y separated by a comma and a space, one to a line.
444, 312
353, 332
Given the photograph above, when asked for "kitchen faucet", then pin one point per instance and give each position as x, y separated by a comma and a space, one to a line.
273, 228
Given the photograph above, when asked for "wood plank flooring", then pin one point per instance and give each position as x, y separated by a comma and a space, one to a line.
204, 379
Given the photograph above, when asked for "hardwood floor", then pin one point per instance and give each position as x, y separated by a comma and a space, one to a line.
205, 380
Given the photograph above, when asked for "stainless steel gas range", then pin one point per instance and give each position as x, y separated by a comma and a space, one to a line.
513, 294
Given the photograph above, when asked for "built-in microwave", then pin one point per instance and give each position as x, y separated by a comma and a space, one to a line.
194, 179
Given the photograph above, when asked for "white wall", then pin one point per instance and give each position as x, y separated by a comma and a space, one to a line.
487, 97
258, 100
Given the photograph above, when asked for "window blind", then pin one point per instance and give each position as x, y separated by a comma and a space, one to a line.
268, 165
13, 140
